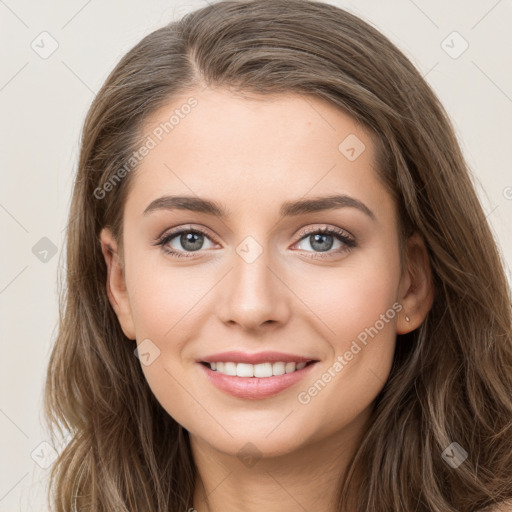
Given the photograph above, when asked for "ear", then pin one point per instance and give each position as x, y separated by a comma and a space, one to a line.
416, 290
116, 285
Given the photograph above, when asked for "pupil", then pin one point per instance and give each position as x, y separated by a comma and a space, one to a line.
321, 246
192, 241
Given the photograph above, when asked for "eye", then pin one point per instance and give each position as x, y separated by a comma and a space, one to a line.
321, 240
182, 243
190, 240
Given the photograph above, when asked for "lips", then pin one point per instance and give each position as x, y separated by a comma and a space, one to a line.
255, 376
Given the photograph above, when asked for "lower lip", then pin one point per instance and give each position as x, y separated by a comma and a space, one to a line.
253, 388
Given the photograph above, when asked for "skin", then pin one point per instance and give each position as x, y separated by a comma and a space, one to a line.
251, 154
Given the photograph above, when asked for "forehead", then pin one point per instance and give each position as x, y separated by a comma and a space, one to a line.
254, 150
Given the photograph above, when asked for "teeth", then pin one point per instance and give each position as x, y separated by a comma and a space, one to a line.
278, 368
263, 370
256, 370
244, 370
290, 367
230, 368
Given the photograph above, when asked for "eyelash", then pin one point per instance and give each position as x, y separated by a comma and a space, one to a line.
340, 235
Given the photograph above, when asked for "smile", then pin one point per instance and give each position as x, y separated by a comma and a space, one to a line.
255, 376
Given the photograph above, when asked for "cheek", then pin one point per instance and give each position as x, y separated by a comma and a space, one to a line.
164, 299
168, 306
350, 298
357, 306
162, 314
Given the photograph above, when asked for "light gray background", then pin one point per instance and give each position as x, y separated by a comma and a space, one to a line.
43, 103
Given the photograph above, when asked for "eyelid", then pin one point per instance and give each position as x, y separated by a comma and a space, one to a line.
179, 229
327, 228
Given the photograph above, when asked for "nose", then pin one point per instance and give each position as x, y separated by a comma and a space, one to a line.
253, 294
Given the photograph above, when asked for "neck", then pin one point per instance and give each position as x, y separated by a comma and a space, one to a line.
307, 479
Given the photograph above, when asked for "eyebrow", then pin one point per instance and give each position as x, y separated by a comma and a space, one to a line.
288, 208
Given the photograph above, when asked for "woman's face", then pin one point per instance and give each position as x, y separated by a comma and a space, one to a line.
259, 278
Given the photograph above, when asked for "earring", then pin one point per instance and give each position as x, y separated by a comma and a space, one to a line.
407, 318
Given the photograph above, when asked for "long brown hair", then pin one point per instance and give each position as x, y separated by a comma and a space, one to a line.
451, 379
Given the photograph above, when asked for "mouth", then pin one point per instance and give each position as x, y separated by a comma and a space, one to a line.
261, 379
259, 371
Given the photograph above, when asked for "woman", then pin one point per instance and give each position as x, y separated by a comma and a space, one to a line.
282, 291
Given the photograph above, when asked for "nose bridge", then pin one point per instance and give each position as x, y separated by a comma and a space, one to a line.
253, 294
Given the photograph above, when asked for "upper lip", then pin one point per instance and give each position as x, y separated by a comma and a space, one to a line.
256, 358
